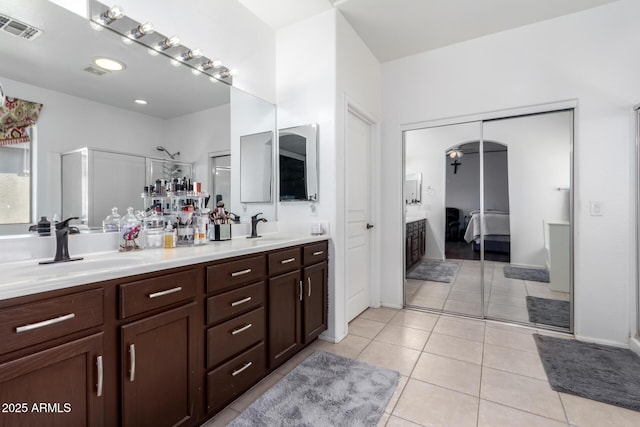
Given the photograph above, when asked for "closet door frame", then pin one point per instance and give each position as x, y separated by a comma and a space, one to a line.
571, 105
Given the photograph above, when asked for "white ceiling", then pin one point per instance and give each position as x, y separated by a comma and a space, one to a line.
397, 28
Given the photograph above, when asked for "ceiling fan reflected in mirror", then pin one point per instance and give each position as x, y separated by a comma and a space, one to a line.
455, 153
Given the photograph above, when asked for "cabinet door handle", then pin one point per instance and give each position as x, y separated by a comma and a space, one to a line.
132, 357
309, 282
242, 301
100, 376
44, 323
167, 292
238, 371
318, 253
287, 261
240, 273
301, 291
241, 329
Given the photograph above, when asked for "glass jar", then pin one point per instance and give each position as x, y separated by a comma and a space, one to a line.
130, 232
112, 222
154, 231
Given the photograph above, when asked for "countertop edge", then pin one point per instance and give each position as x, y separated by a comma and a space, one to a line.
167, 259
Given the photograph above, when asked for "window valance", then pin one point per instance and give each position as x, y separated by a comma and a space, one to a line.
15, 117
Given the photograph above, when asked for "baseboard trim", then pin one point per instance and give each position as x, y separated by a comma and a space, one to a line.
634, 345
603, 342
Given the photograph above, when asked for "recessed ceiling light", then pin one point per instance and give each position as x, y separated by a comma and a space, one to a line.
109, 64
140, 101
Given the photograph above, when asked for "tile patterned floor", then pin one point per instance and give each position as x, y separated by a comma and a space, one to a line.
504, 299
455, 372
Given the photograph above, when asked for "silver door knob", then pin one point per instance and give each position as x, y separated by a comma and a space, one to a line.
369, 226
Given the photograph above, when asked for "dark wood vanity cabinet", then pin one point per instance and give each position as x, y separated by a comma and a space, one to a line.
158, 351
416, 237
235, 337
297, 300
52, 361
167, 348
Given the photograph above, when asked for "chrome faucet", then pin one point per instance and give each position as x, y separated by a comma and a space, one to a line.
254, 225
62, 242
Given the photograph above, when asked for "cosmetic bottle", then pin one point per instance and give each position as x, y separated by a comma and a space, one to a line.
169, 237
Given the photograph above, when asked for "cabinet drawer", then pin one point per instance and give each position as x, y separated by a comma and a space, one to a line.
234, 336
233, 273
284, 261
234, 377
228, 304
40, 321
149, 294
314, 253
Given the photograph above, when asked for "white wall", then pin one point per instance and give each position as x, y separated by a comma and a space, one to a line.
198, 134
306, 82
250, 115
358, 85
224, 30
587, 56
321, 63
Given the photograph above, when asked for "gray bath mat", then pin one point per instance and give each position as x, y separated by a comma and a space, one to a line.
607, 374
532, 274
324, 390
551, 312
435, 271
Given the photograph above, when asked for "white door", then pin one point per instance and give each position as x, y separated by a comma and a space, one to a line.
358, 141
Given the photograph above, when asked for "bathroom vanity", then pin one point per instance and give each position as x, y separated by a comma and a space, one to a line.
158, 337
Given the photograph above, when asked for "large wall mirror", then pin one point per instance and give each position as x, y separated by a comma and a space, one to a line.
298, 163
497, 239
84, 106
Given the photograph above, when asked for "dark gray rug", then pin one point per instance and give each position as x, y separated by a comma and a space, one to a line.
434, 271
533, 274
551, 312
324, 390
607, 374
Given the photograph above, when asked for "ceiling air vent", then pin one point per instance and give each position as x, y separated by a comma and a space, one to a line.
19, 29
94, 70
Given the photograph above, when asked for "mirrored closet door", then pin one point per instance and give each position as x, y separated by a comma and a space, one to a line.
496, 212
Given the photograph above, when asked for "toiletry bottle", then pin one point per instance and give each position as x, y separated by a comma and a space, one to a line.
169, 237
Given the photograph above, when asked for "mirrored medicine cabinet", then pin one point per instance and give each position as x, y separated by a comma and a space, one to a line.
298, 163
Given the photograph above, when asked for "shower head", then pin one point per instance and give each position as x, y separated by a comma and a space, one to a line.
173, 156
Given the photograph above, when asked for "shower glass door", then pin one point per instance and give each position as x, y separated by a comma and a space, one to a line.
496, 200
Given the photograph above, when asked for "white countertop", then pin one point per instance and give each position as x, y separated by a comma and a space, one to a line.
29, 277
413, 218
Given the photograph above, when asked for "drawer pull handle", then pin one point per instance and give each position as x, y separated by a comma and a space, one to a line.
167, 292
241, 329
301, 291
239, 371
132, 356
309, 282
287, 261
318, 253
44, 323
240, 273
242, 301
100, 376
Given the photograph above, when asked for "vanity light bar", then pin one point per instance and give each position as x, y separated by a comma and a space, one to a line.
114, 19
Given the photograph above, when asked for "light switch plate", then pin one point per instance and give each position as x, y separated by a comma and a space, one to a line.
596, 208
